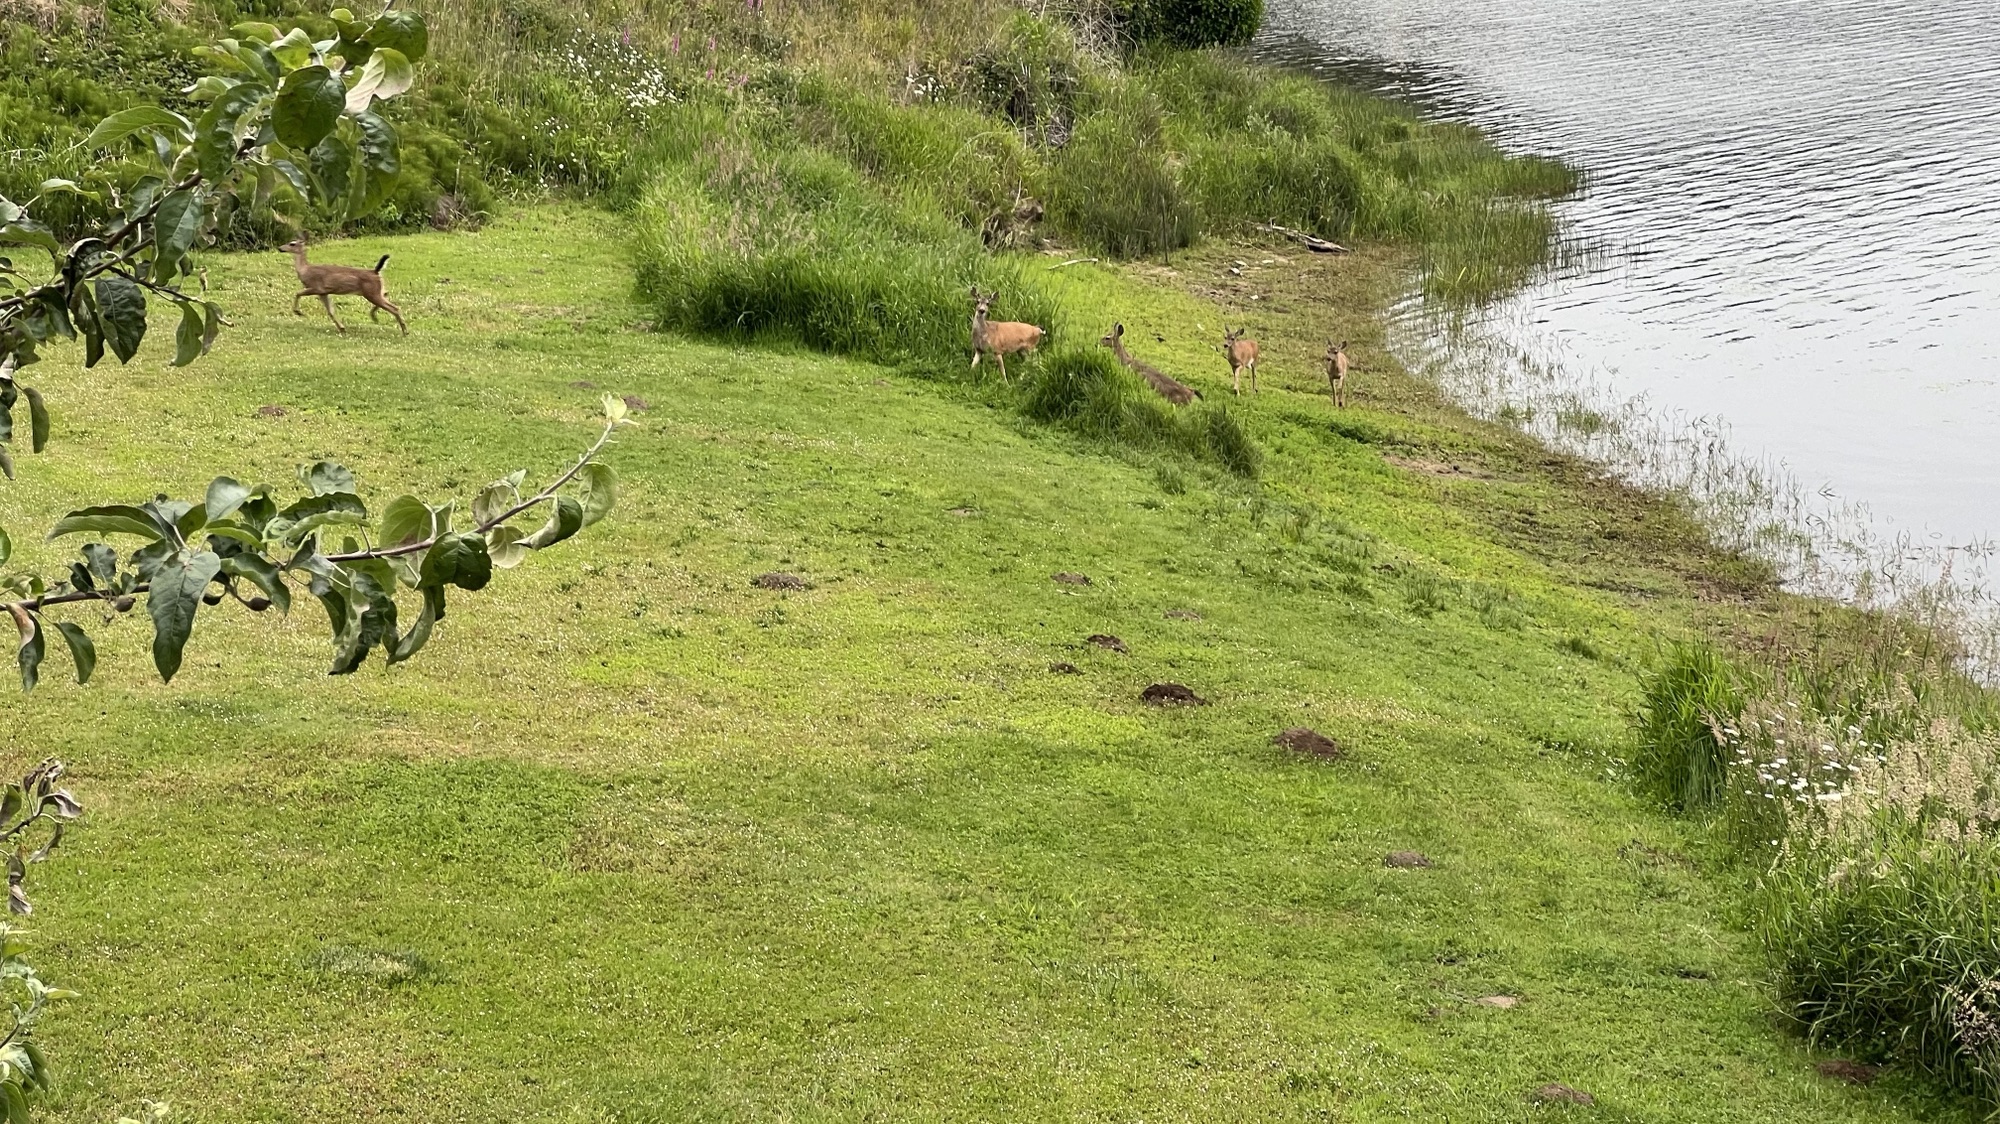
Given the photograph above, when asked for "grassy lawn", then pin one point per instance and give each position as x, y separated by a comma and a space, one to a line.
635, 841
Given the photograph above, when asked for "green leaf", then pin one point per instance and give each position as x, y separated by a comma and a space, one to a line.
255, 57
504, 544
32, 646
81, 650
460, 560
405, 521
114, 519
294, 50
386, 74
139, 118
6, 546
176, 594
600, 491
43, 1075
122, 306
400, 648
332, 165
565, 520
615, 409
401, 31
67, 187
266, 33
381, 161
176, 225
232, 533
17, 1103
211, 325
215, 134
25, 231
262, 574
327, 477
309, 105
494, 499
187, 340
310, 514
38, 419
102, 559
209, 87
225, 495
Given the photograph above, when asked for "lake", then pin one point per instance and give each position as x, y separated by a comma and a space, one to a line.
1792, 216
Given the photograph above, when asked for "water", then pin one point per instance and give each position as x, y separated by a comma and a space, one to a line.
1795, 204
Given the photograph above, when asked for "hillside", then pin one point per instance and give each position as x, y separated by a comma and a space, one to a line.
639, 841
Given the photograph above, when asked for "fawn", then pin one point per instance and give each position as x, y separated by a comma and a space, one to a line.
1242, 357
1177, 393
998, 338
328, 281
1336, 371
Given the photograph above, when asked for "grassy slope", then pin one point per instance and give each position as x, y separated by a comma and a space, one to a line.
667, 847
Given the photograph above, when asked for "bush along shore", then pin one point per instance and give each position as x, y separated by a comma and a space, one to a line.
814, 188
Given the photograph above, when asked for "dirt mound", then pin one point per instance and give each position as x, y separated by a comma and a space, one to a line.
779, 580
1171, 694
1107, 642
272, 411
1300, 739
1068, 578
1065, 669
1408, 860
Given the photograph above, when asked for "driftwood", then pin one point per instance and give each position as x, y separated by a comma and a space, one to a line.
1311, 242
1071, 262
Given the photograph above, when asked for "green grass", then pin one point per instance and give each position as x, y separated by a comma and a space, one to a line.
634, 841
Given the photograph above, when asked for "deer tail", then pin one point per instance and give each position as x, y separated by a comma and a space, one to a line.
383, 262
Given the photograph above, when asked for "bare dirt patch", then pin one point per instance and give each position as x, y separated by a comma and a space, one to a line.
1066, 577
1431, 467
1854, 1073
1107, 642
1408, 860
780, 580
1555, 1092
272, 411
1065, 669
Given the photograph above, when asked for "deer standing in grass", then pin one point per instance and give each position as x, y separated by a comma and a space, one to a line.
998, 338
1242, 357
329, 281
1178, 393
1336, 371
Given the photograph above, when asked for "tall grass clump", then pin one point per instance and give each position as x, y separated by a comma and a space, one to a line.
1086, 392
1881, 907
1116, 185
780, 241
1680, 759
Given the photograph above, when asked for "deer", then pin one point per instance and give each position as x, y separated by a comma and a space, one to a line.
329, 281
998, 338
1242, 357
1336, 371
1178, 393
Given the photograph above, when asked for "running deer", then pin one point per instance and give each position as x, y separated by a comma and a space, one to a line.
1177, 393
1242, 357
998, 338
329, 281
1336, 371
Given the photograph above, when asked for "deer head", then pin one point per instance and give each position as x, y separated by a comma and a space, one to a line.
1111, 340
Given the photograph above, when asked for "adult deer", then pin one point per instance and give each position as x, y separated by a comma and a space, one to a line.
998, 338
1178, 393
329, 281
1336, 371
1242, 357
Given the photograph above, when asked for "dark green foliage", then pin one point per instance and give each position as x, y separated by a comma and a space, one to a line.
1679, 760
1191, 24
1890, 949
1114, 188
1085, 391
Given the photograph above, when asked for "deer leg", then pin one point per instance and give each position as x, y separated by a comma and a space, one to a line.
326, 302
1237, 374
384, 304
1000, 357
1253, 376
296, 298
975, 357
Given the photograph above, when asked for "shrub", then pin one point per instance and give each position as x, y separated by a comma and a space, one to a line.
1679, 760
1879, 912
1192, 23
1085, 391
